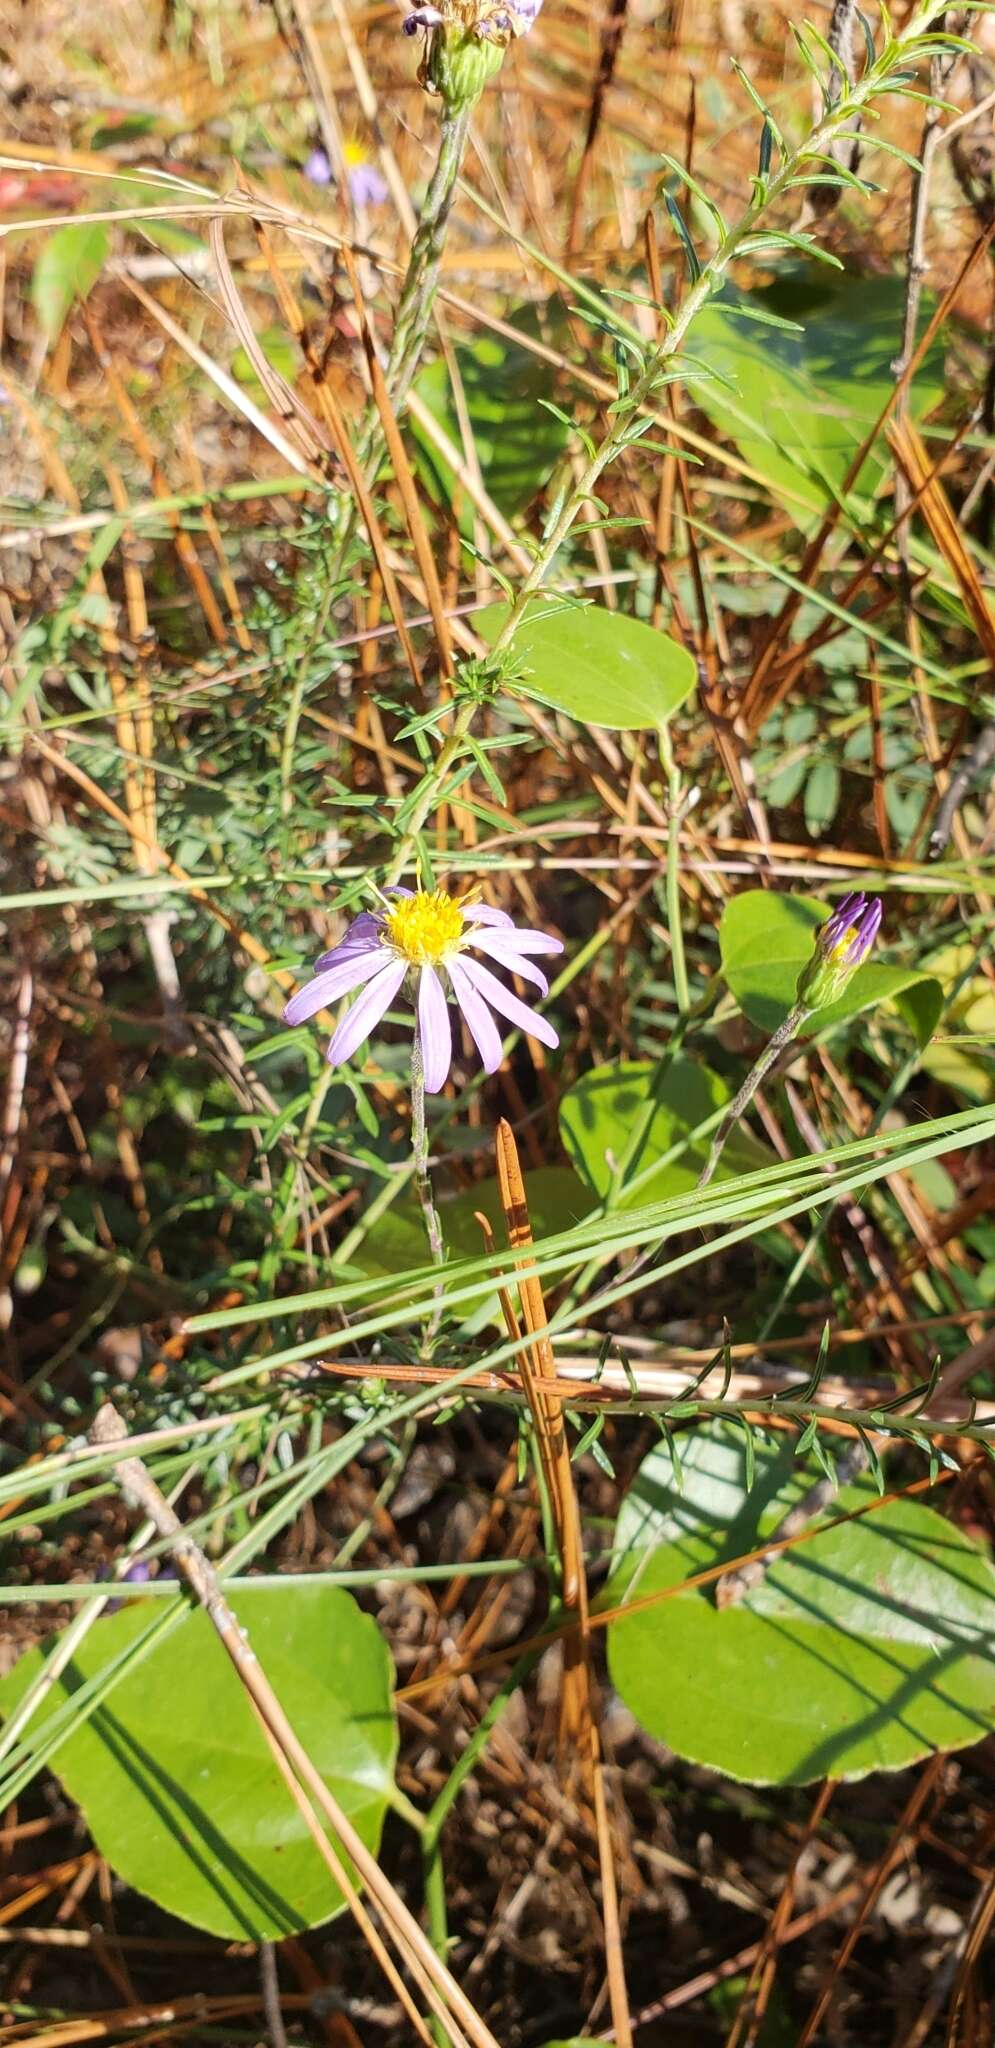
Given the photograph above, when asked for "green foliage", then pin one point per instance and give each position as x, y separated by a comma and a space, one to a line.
797, 401
765, 941
557, 1200
507, 390
296, 776
280, 352
176, 1777
600, 667
860, 1650
968, 1070
67, 265
619, 1124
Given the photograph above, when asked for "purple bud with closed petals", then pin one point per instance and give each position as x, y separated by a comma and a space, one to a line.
841, 946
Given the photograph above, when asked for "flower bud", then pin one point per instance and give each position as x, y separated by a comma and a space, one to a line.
841, 945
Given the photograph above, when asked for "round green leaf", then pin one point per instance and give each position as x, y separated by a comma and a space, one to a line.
600, 667
765, 940
630, 1116
176, 1778
967, 1070
863, 1649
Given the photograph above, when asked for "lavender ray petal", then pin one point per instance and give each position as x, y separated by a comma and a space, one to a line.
336, 982
518, 941
434, 1031
363, 932
507, 1005
481, 1025
366, 186
846, 913
484, 913
867, 931
365, 1014
492, 943
317, 167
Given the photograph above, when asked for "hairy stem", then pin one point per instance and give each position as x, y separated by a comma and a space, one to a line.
782, 1037
419, 1146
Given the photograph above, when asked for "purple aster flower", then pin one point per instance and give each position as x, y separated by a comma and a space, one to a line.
841, 945
853, 928
425, 936
366, 186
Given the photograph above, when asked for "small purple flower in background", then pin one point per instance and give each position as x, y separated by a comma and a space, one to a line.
366, 186
841, 946
317, 168
425, 935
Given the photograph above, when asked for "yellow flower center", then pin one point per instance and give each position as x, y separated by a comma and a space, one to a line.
425, 927
354, 153
843, 945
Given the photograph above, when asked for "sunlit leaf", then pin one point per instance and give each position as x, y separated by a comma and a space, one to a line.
863, 1649
176, 1778
600, 667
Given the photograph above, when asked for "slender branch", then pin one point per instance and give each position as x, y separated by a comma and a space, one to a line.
783, 1036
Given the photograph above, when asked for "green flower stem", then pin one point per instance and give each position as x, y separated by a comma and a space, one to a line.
419, 1146
680, 803
420, 281
418, 292
414, 310
783, 1036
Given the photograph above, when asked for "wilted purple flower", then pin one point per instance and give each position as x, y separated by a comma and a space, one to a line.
419, 935
490, 20
841, 945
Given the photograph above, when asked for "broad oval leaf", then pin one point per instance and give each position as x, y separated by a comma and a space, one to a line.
517, 440
600, 667
798, 402
176, 1778
862, 1649
765, 940
620, 1123
68, 263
